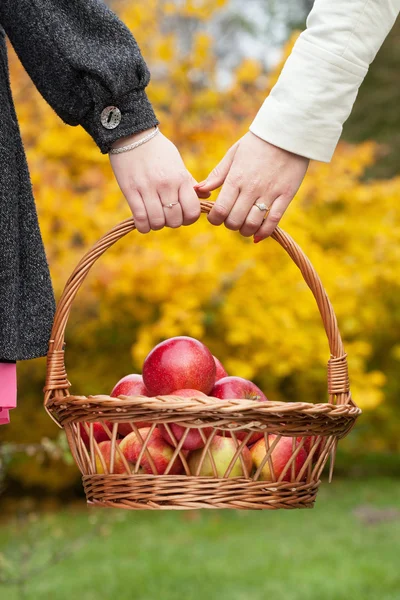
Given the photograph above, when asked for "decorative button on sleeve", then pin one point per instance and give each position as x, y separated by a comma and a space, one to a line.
111, 117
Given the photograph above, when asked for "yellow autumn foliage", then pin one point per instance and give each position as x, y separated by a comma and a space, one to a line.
247, 302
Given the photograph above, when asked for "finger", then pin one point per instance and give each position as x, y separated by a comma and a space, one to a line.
172, 208
241, 209
200, 193
277, 211
189, 202
224, 203
139, 211
218, 175
155, 212
254, 219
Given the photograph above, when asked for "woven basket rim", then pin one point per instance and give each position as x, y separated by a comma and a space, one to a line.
172, 403
281, 418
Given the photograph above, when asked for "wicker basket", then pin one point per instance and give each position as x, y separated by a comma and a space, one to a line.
133, 489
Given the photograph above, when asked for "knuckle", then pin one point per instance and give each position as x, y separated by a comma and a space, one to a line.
191, 218
275, 217
253, 222
140, 187
232, 225
157, 224
247, 231
164, 186
287, 191
236, 179
220, 210
142, 228
130, 185
163, 182
140, 217
253, 185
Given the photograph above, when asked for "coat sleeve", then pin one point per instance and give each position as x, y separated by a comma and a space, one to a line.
305, 111
82, 59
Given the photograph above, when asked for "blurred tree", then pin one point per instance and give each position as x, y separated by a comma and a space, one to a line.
248, 303
264, 24
376, 113
255, 29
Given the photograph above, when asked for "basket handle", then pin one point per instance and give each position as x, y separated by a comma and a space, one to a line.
57, 383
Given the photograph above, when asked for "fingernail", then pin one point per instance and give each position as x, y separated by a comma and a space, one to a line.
257, 239
201, 183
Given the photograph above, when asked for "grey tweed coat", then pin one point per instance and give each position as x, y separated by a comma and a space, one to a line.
88, 67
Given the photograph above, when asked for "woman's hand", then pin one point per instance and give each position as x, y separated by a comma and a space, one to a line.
254, 171
152, 177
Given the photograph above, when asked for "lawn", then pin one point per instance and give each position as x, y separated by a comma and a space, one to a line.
346, 548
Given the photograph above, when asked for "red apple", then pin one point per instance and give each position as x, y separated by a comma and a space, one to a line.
223, 450
179, 363
105, 449
280, 456
159, 450
236, 387
309, 443
219, 369
193, 440
99, 433
130, 385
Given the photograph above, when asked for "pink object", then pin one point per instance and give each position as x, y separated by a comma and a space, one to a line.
4, 417
8, 390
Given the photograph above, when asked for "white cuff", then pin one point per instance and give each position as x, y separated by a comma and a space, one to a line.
313, 97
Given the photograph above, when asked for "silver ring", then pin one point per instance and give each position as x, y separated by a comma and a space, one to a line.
261, 206
170, 205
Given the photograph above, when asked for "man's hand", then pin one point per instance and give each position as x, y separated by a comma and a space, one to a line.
152, 177
254, 171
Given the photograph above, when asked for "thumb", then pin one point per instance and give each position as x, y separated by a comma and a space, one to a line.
203, 195
218, 175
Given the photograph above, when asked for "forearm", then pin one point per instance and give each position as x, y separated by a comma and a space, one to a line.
82, 59
316, 90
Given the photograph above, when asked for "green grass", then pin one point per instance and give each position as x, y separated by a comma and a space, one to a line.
328, 553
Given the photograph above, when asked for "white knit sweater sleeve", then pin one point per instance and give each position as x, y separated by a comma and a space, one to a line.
314, 95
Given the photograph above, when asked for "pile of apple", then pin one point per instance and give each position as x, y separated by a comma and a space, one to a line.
183, 366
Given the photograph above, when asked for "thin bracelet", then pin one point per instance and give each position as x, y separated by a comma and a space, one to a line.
147, 138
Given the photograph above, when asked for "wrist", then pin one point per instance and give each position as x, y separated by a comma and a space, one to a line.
130, 139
